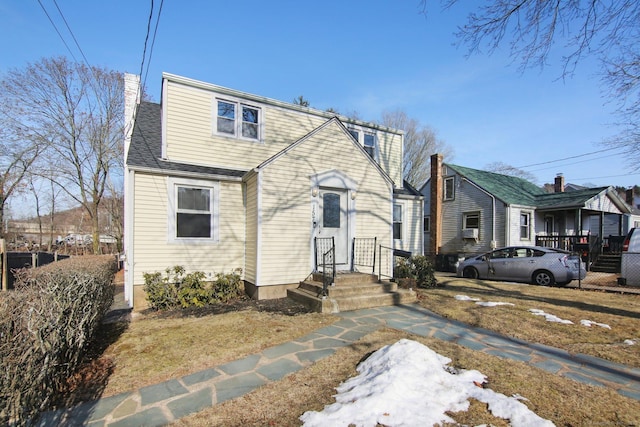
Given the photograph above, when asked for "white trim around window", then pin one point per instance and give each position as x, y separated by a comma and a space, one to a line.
367, 138
449, 188
525, 226
398, 221
234, 118
193, 211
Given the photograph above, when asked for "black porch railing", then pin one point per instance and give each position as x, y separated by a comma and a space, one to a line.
363, 253
326, 260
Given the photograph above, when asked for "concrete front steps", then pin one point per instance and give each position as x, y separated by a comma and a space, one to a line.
352, 291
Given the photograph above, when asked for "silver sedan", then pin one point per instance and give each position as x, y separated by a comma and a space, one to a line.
530, 264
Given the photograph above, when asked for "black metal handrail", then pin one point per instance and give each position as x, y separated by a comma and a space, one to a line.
325, 259
363, 253
328, 260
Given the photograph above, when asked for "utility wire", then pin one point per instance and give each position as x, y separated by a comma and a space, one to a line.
153, 42
71, 32
57, 31
566, 158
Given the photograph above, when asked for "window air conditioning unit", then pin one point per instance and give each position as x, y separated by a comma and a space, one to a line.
470, 233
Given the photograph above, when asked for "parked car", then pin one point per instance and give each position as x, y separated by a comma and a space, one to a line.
530, 264
630, 259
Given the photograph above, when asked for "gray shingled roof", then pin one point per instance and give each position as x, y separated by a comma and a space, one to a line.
146, 143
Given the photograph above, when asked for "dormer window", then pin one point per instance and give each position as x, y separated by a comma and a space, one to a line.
237, 119
366, 139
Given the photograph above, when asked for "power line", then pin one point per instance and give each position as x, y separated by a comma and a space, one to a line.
71, 32
57, 31
566, 158
153, 42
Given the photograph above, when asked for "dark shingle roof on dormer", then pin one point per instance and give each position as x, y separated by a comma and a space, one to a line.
145, 150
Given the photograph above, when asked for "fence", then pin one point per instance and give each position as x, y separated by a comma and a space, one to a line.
10, 261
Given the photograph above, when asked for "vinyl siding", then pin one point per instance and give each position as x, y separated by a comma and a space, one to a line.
189, 118
287, 202
514, 226
469, 198
412, 226
252, 229
154, 253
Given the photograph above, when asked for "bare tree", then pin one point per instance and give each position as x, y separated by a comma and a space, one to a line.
604, 29
16, 158
505, 169
77, 112
420, 142
300, 100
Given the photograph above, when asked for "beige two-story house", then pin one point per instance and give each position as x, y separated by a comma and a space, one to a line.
219, 180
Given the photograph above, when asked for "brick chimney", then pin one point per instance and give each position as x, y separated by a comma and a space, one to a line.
435, 208
629, 196
558, 185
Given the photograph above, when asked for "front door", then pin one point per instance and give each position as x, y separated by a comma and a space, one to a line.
334, 222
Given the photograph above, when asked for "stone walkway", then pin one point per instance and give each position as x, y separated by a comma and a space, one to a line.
163, 403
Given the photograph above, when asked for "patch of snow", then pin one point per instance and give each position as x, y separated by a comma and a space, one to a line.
408, 384
466, 298
588, 323
630, 342
550, 317
492, 304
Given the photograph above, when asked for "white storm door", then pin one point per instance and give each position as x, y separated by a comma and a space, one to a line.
334, 221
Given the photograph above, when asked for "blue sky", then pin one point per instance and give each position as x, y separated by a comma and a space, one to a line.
363, 56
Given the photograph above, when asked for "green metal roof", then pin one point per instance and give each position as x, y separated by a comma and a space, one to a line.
517, 191
509, 189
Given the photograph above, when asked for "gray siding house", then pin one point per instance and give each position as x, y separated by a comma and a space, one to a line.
470, 211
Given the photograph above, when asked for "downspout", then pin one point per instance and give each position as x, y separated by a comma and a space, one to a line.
493, 213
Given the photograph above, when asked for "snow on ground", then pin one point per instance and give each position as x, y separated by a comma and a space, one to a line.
492, 303
408, 384
588, 323
630, 342
466, 298
549, 317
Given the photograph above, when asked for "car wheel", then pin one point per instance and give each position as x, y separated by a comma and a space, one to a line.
543, 278
470, 273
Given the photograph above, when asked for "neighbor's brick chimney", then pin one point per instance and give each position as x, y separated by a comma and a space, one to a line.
629, 196
435, 208
558, 185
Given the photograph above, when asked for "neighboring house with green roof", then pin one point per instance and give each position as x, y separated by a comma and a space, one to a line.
476, 211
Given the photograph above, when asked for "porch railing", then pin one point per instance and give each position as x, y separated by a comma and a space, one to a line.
388, 260
363, 253
326, 260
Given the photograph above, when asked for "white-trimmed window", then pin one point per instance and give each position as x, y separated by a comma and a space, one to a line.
370, 144
449, 188
397, 222
365, 138
525, 225
237, 119
193, 210
471, 220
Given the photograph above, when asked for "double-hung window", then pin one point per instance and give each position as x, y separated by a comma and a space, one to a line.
237, 119
449, 188
365, 138
525, 220
370, 144
193, 210
397, 222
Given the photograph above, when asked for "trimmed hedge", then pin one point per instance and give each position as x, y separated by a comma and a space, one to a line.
176, 288
45, 326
